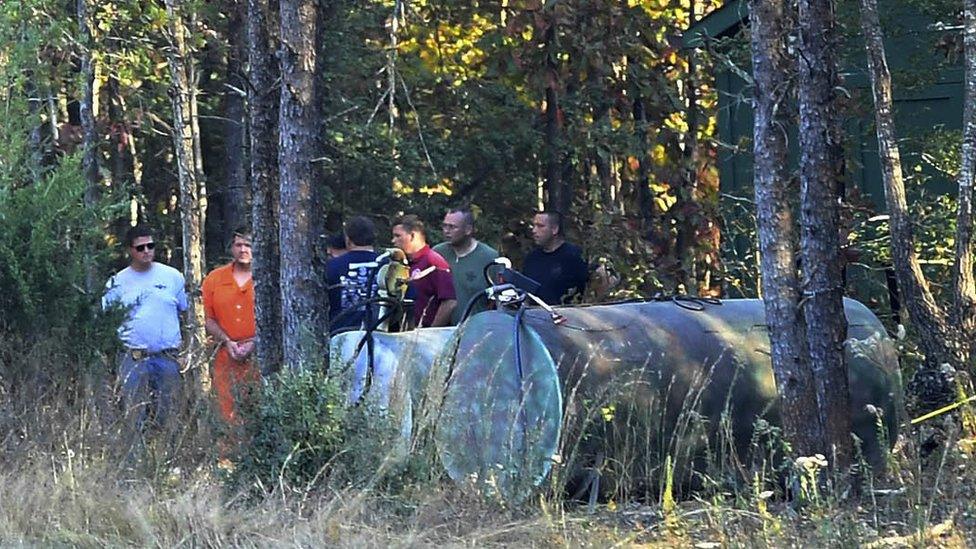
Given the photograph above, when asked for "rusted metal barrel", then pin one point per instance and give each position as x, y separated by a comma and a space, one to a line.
626, 388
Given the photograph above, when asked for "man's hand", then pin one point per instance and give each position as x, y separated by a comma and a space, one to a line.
233, 349
246, 348
240, 350
443, 315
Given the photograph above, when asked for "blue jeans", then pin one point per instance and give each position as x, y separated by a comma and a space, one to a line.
152, 383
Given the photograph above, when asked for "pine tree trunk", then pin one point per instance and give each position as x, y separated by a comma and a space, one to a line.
304, 299
35, 139
928, 318
556, 198
645, 200
781, 295
192, 194
686, 241
89, 157
964, 311
263, 101
820, 157
234, 196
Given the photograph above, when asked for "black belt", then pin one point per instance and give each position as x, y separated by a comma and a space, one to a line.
143, 354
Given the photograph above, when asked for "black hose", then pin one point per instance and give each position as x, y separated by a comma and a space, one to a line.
392, 303
484, 272
370, 350
471, 303
521, 376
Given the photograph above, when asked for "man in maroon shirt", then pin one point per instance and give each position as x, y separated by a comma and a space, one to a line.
430, 275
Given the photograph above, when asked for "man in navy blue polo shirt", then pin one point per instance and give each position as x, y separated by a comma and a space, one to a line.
555, 264
350, 275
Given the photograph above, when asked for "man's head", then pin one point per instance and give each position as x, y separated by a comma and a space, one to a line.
141, 247
360, 231
408, 234
335, 245
240, 247
458, 226
547, 230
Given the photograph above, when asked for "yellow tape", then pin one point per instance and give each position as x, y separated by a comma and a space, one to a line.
942, 410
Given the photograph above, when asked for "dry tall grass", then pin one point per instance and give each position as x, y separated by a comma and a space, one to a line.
64, 481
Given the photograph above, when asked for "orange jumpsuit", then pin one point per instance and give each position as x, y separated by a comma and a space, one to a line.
232, 306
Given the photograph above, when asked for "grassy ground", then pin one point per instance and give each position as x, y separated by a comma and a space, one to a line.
64, 481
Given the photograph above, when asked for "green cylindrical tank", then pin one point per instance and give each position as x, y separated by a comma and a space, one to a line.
625, 387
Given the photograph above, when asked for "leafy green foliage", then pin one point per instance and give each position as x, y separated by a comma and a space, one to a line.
50, 250
294, 431
299, 433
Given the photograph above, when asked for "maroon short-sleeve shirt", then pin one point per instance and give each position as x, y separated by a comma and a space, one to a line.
430, 276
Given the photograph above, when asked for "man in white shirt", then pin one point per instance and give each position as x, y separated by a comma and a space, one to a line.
153, 295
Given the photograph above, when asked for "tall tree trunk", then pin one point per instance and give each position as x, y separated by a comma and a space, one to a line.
964, 294
781, 295
556, 195
304, 299
123, 164
263, 101
122, 154
645, 200
35, 140
192, 190
234, 196
89, 158
820, 156
927, 316
684, 249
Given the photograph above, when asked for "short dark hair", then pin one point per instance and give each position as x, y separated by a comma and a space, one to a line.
411, 223
242, 231
360, 230
554, 217
336, 241
137, 231
466, 214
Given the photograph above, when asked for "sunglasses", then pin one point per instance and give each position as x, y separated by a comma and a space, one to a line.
146, 246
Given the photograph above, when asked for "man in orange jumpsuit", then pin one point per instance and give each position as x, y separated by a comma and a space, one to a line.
228, 301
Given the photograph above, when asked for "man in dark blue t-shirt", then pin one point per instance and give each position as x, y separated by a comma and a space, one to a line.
349, 274
555, 264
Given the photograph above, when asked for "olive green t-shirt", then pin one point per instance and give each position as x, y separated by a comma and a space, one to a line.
468, 274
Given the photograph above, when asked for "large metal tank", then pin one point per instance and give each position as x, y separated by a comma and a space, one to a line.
626, 388
397, 358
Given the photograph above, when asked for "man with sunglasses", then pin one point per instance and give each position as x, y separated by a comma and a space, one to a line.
153, 296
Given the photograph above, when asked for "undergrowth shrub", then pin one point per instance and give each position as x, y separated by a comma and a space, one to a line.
299, 433
292, 432
52, 264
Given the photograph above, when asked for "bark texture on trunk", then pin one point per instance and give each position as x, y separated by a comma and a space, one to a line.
192, 189
556, 195
645, 200
964, 311
263, 101
304, 299
89, 135
927, 316
121, 144
821, 155
234, 196
781, 292
686, 240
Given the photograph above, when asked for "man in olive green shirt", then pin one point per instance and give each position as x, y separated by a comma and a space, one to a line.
467, 258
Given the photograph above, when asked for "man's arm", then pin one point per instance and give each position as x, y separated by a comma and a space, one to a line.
214, 329
443, 315
110, 295
237, 350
